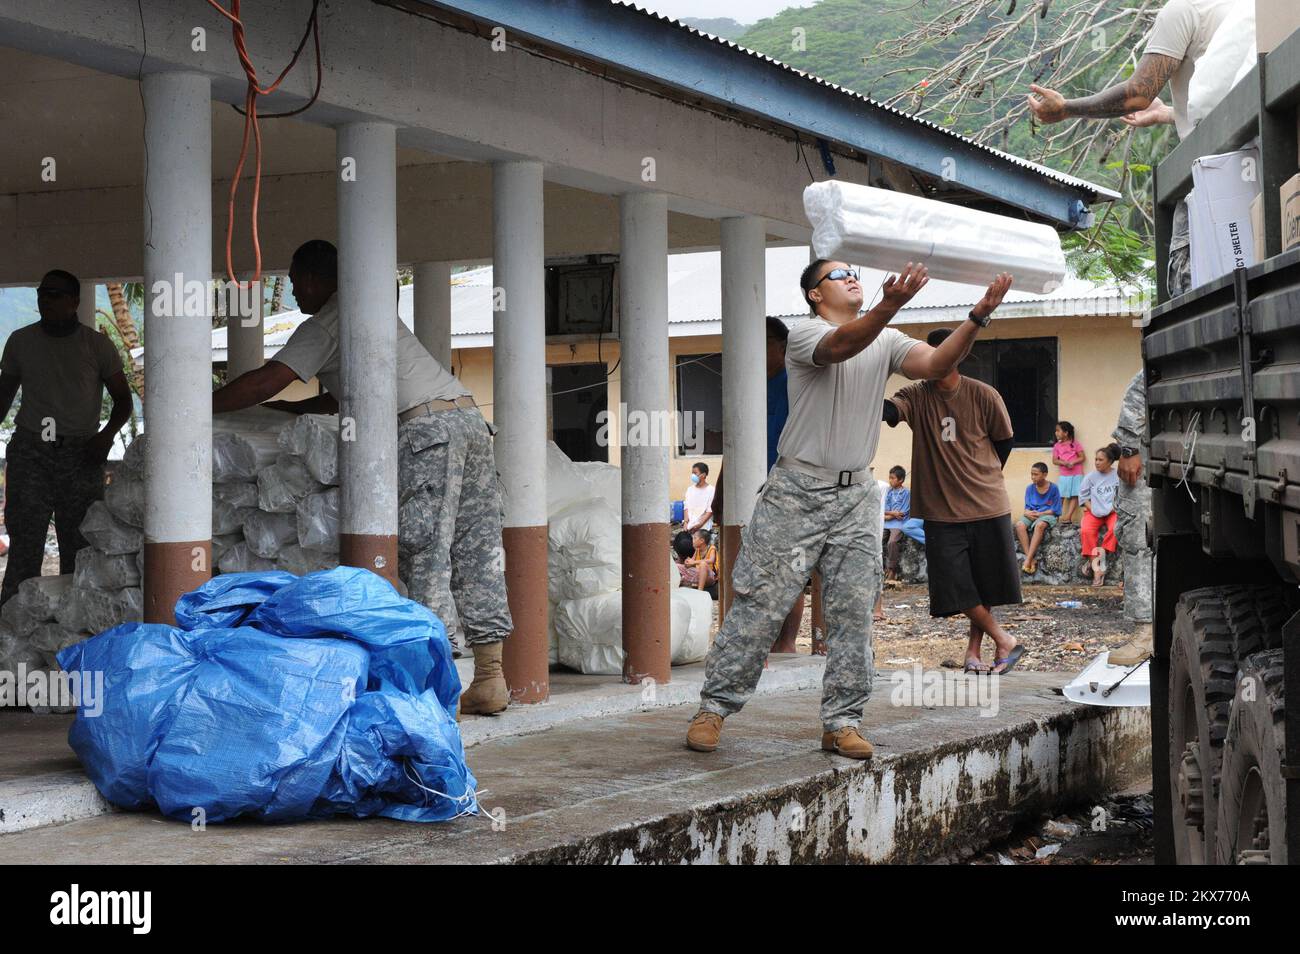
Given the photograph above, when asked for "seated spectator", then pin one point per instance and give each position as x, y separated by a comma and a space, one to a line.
1068, 456
697, 561
898, 508
1042, 509
1097, 494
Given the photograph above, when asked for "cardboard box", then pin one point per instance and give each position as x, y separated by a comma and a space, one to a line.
1291, 213
1219, 213
1275, 20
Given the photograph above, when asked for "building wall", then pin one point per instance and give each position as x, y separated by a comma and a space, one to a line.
1097, 356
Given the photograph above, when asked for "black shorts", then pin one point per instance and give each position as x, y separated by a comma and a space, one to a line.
971, 564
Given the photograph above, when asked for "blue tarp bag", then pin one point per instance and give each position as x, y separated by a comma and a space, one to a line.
279, 698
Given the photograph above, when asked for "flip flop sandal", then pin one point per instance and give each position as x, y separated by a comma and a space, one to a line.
1010, 661
972, 667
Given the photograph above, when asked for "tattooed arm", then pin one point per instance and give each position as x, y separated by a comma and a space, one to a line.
1136, 93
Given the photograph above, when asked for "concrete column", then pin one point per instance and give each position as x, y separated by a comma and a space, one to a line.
178, 328
367, 155
433, 309
744, 379
86, 306
244, 340
643, 330
519, 413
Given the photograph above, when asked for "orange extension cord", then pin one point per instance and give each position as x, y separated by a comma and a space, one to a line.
251, 122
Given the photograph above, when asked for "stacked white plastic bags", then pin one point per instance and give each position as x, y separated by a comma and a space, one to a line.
584, 573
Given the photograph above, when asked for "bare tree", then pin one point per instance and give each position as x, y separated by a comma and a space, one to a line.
981, 89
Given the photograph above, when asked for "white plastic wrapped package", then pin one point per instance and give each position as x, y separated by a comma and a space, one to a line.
221, 542
568, 482
90, 610
228, 519
16, 619
589, 632
315, 439
41, 596
300, 561
239, 494
268, 533
242, 455
105, 571
318, 521
132, 463
53, 636
105, 532
250, 419
584, 551
282, 485
694, 645
124, 497
883, 229
240, 559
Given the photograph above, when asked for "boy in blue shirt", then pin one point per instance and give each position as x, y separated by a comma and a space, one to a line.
1042, 509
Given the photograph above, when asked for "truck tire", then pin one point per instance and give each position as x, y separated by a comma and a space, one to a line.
1215, 629
1251, 824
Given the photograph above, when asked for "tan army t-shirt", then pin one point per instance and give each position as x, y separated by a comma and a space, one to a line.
834, 419
61, 378
956, 474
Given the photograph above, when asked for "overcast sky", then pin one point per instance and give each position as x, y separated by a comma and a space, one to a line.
744, 11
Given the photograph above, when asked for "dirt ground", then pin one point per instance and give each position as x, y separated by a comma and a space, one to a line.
1060, 639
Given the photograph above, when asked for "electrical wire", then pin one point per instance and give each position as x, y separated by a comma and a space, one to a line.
251, 123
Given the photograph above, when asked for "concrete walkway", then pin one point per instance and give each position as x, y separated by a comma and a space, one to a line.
623, 788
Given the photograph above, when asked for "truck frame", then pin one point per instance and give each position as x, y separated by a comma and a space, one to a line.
1222, 380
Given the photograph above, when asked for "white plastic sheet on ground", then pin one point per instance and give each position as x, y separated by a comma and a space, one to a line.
590, 631
883, 229
585, 553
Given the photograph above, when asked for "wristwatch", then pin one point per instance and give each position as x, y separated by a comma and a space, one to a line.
982, 322
1126, 451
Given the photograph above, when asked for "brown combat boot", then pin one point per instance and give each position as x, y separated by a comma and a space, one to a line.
705, 729
487, 693
848, 742
1136, 650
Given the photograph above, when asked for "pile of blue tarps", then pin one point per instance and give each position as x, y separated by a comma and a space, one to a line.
280, 698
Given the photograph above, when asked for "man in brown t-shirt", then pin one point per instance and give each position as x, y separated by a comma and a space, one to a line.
961, 438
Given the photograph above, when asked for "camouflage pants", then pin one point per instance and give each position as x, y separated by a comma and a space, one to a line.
45, 479
449, 523
801, 524
1133, 511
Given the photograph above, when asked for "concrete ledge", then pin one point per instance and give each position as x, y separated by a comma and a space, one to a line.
48, 799
575, 697
624, 789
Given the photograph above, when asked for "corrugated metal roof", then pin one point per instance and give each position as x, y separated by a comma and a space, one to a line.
1046, 171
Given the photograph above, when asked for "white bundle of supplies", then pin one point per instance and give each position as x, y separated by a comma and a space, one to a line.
882, 229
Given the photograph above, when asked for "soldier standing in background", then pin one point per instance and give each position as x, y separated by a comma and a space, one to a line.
1134, 520
54, 464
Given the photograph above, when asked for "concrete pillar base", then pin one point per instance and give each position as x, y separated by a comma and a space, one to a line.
169, 572
525, 655
647, 604
376, 552
730, 538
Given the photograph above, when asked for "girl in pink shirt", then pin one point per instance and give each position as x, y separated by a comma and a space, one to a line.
1068, 456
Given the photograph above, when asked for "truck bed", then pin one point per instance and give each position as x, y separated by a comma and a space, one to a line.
1198, 397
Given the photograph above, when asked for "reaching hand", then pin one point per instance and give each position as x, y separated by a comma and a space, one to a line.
1130, 469
993, 295
900, 289
1047, 105
1153, 115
